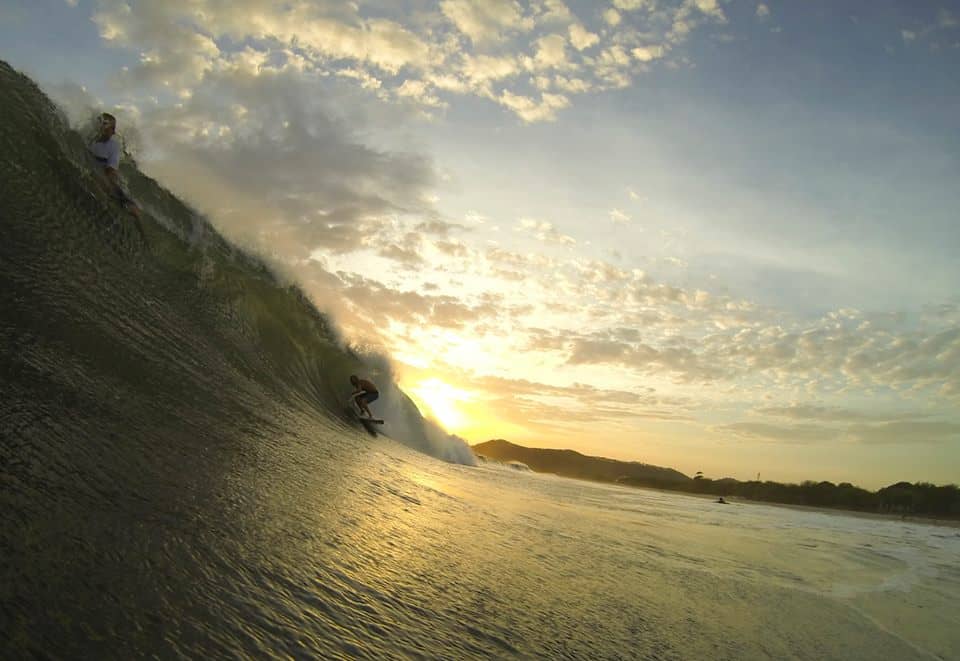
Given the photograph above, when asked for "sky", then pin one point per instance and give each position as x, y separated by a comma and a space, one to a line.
714, 235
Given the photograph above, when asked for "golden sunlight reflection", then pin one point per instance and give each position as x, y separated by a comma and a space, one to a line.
443, 401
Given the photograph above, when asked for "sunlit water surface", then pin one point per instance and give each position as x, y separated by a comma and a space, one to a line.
330, 543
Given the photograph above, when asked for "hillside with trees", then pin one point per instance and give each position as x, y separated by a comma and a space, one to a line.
568, 463
920, 499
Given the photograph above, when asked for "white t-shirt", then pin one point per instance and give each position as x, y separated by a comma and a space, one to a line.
107, 153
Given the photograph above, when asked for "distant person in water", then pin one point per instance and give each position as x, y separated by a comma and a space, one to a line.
364, 393
106, 149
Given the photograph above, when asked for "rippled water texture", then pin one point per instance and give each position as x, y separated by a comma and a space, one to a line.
176, 480
326, 543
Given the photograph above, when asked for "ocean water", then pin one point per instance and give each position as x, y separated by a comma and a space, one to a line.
327, 543
178, 480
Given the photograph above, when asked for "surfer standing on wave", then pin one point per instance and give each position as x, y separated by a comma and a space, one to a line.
364, 393
106, 149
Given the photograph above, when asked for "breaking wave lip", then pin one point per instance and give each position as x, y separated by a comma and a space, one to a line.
98, 307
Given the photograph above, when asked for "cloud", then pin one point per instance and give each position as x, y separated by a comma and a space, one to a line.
545, 231
379, 305
632, 5
421, 93
836, 351
407, 255
816, 412
453, 47
456, 249
599, 351
648, 53
439, 227
624, 319
483, 69
521, 262
281, 166
365, 79
171, 54
681, 361
552, 11
780, 433
179, 38
581, 38
907, 432
572, 85
874, 427
932, 32
709, 7
485, 20
544, 405
531, 110
611, 17
618, 216
551, 53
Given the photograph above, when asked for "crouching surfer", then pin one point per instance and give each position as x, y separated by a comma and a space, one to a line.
106, 150
364, 392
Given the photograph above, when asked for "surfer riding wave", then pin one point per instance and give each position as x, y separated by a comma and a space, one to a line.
365, 392
106, 150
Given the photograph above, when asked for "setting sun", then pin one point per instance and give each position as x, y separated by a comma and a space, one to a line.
441, 399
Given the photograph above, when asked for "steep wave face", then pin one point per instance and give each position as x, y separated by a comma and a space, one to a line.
140, 362
113, 325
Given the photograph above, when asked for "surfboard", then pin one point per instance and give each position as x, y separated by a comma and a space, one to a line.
368, 423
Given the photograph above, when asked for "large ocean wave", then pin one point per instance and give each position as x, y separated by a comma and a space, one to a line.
138, 328
160, 390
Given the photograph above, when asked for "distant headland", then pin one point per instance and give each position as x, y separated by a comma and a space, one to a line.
920, 499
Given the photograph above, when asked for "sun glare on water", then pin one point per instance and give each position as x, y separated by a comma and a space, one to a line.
443, 401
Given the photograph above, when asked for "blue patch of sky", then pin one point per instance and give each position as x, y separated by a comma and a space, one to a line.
54, 43
844, 141
831, 138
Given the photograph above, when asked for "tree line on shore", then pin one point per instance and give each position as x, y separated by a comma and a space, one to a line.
920, 499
